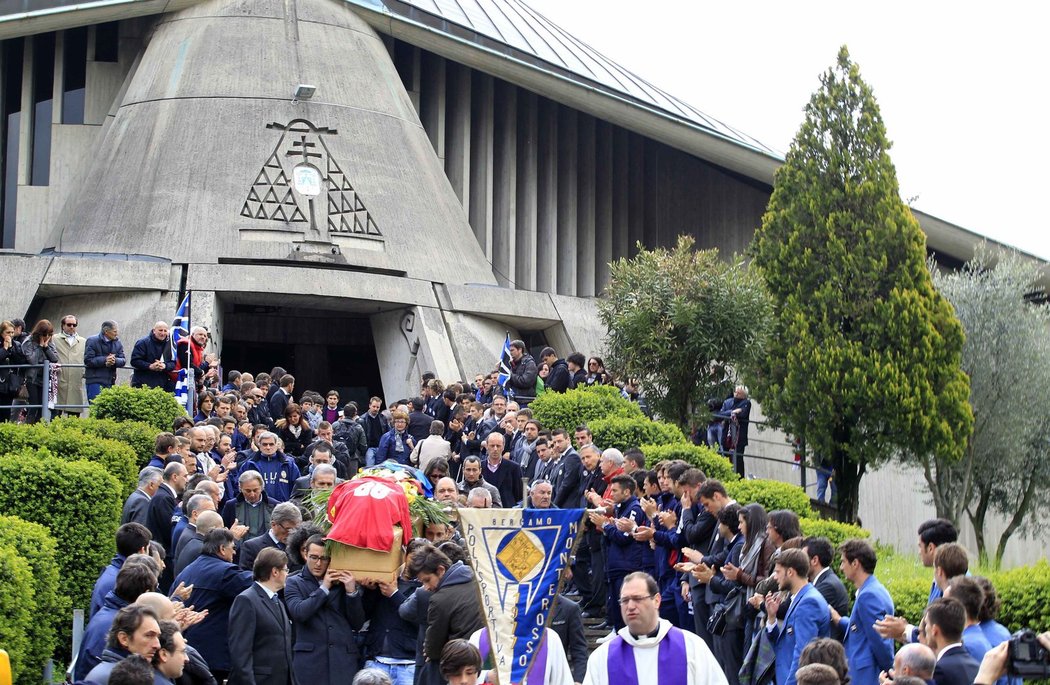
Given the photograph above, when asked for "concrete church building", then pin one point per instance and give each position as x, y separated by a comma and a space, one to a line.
455, 170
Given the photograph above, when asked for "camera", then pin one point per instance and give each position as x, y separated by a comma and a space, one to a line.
1027, 657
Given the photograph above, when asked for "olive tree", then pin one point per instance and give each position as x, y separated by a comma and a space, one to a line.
681, 321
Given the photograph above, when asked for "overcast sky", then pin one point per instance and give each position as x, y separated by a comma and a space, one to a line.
962, 87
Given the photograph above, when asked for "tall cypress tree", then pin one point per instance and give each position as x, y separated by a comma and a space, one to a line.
864, 360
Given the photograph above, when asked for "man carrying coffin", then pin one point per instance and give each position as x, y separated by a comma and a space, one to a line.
650, 651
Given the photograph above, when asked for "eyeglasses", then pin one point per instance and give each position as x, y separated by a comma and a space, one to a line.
267, 444
71, 325
314, 558
624, 601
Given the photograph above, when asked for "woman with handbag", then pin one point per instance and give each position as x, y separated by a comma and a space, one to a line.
39, 347
11, 379
754, 562
726, 623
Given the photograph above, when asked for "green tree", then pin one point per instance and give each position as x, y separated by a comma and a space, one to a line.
677, 319
864, 358
1006, 466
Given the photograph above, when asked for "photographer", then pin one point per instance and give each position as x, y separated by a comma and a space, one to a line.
1002, 660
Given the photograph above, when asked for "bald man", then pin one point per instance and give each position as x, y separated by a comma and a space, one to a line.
502, 474
152, 360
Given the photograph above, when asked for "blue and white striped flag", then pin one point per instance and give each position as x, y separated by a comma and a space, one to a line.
504, 363
180, 328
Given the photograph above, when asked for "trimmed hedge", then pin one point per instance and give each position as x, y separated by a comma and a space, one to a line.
1025, 593
713, 464
149, 405
771, 494
78, 501
34, 544
71, 444
627, 433
581, 406
138, 435
18, 609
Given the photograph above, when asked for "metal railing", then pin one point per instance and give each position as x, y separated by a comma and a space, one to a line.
45, 407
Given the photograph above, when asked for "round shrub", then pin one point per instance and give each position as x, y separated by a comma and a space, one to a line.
834, 531
71, 444
138, 435
581, 406
771, 494
713, 464
149, 405
78, 502
626, 433
35, 545
17, 608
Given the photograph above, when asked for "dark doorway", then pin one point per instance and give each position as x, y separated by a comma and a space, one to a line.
323, 350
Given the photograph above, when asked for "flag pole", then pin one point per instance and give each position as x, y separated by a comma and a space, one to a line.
191, 383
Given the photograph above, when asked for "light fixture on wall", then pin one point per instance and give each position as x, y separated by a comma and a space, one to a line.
303, 91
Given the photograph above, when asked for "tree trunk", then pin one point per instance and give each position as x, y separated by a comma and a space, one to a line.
1019, 516
848, 473
977, 519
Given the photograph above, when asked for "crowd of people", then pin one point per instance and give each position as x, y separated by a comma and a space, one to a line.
220, 574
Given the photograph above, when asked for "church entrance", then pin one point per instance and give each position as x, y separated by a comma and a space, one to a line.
324, 350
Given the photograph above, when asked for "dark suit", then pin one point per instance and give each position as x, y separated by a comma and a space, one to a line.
807, 619
189, 552
834, 593
566, 620
567, 479
136, 508
161, 523
955, 667
261, 646
325, 650
251, 548
507, 479
277, 402
419, 426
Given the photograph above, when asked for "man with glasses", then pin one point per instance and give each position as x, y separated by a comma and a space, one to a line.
70, 347
103, 355
325, 605
649, 650
261, 643
285, 518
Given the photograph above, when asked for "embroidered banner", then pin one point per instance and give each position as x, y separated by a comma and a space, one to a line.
518, 557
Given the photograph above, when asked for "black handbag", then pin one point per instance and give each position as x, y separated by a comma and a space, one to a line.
10, 382
728, 614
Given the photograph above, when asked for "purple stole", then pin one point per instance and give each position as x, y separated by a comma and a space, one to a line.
671, 664
539, 662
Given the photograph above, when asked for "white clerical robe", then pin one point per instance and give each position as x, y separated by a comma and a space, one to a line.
701, 666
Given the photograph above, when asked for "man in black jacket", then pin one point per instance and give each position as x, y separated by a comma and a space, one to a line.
568, 472
567, 621
419, 421
945, 621
523, 372
558, 379
159, 518
825, 581
152, 360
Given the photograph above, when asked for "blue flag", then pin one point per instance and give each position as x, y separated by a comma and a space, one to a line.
518, 557
180, 328
504, 363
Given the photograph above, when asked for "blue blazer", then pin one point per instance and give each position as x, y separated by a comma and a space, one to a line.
807, 618
216, 583
866, 652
